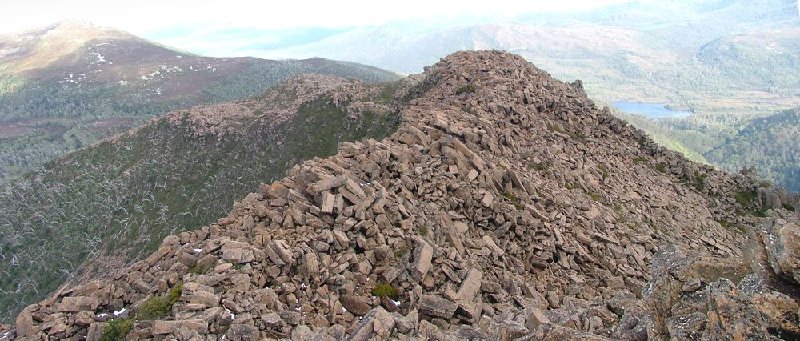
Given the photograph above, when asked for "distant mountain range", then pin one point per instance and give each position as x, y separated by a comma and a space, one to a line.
70, 84
728, 61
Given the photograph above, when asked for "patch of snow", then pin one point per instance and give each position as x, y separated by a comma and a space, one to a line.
344, 310
102, 44
397, 303
233, 316
197, 250
179, 57
303, 285
119, 312
102, 315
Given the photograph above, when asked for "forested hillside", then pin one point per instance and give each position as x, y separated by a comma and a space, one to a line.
66, 86
119, 198
770, 145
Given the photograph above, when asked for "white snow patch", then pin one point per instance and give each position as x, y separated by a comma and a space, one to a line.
303, 285
119, 312
197, 250
397, 303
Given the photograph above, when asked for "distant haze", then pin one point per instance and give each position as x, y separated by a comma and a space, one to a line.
222, 28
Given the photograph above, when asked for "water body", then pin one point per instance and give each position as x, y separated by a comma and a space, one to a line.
650, 110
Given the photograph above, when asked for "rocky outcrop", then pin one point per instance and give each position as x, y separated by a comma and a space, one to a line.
506, 206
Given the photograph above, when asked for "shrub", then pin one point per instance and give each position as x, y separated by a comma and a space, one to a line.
699, 181
157, 307
117, 329
466, 89
603, 171
749, 202
541, 166
401, 251
513, 199
198, 269
746, 198
385, 290
578, 136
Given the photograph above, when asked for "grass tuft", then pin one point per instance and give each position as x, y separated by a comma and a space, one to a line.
385, 290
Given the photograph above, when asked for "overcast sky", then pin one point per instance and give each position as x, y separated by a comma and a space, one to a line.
145, 16
196, 25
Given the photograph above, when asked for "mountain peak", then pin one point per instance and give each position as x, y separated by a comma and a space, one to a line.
39, 48
79, 30
505, 204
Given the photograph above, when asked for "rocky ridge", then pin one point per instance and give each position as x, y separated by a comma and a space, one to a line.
506, 206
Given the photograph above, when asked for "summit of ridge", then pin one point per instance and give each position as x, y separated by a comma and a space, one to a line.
505, 205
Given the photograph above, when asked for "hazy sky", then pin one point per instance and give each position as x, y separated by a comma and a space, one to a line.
238, 27
144, 16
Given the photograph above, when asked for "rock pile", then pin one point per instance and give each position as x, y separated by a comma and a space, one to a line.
507, 206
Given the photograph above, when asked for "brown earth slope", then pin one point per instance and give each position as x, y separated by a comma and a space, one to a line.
506, 206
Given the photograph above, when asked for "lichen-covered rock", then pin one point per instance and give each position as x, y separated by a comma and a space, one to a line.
782, 241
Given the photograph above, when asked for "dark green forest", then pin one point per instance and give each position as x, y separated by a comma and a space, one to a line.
42, 120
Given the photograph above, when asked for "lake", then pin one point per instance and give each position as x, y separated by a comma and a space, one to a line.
651, 110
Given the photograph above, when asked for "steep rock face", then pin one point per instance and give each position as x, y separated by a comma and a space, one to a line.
506, 206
